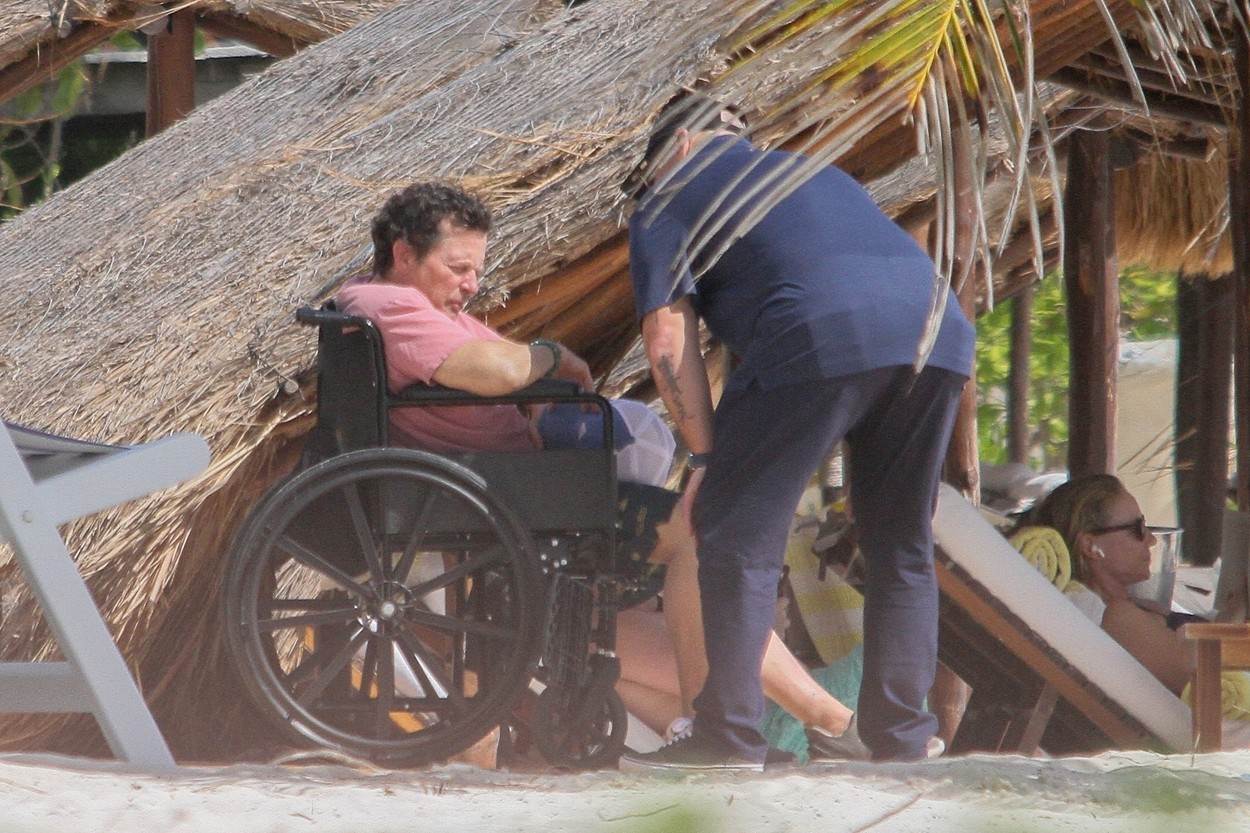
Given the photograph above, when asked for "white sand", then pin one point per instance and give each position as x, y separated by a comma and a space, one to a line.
1135, 792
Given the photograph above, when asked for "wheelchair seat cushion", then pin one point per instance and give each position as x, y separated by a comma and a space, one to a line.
644, 444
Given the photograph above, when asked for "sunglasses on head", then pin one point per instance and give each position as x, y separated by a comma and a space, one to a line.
1137, 526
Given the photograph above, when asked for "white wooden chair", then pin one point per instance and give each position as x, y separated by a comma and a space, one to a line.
47, 480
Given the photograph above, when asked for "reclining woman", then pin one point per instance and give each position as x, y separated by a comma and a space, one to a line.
1109, 544
429, 254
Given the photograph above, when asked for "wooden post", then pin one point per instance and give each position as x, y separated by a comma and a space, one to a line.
1215, 393
1239, 219
1203, 390
1018, 376
171, 71
1188, 415
1093, 286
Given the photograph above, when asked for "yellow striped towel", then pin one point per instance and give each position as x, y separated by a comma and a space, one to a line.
1234, 695
831, 610
1043, 547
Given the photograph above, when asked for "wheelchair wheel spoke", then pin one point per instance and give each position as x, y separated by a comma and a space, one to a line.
328, 617
305, 604
386, 687
310, 559
369, 667
416, 538
460, 571
332, 668
428, 669
451, 623
310, 665
364, 534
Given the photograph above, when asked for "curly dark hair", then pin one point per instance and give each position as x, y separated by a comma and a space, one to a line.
414, 215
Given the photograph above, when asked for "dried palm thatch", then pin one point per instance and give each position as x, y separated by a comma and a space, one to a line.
1172, 214
164, 302
27, 26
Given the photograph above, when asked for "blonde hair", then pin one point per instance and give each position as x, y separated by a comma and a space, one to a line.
1075, 507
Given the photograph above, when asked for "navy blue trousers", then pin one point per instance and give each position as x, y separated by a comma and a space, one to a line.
767, 444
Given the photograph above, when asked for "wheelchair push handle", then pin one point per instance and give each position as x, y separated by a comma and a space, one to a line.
329, 317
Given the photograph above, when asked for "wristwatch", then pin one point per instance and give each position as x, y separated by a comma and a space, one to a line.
697, 461
556, 354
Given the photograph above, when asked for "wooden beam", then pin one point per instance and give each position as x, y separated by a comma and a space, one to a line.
42, 64
171, 71
1018, 376
224, 25
1150, 79
1092, 282
1239, 221
1120, 94
1199, 149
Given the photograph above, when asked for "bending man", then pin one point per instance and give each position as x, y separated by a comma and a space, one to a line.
824, 302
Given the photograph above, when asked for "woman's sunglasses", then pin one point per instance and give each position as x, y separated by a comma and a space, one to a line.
1137, 526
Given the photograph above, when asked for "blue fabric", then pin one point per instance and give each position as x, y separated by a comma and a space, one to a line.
841, 679
826, 285
568, 426
768, 441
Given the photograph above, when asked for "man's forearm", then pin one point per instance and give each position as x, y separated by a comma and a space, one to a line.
672, 340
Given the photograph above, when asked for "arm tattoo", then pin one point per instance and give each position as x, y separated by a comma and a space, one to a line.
668, 380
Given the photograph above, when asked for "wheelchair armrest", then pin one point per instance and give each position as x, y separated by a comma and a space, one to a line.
555, 391
543, 390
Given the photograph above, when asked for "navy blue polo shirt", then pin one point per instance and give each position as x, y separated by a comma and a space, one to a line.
825, 285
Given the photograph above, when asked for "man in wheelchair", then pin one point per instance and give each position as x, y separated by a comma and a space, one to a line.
429, 254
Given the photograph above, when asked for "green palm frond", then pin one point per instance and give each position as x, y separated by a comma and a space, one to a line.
943, 64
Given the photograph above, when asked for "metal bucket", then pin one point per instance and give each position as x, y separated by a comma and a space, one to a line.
1155, 593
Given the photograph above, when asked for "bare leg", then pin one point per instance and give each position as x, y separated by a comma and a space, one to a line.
786, 681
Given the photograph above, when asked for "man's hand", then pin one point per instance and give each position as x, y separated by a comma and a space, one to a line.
573, 369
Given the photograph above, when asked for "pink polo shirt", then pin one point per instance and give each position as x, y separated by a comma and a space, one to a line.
418, 339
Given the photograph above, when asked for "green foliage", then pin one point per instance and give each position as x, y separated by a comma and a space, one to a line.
1147, 311
30, 139
31, 147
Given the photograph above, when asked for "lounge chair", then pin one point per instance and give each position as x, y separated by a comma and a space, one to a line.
1043, 676
47, 480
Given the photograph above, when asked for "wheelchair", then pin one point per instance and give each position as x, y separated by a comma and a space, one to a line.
396, 605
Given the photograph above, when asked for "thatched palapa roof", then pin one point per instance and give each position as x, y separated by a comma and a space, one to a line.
38, 37
166, 302
158, 292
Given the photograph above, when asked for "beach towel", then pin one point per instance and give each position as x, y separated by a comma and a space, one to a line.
1043, 547
831, 610
1234, 695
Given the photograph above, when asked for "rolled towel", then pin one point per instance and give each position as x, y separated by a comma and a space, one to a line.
1234, 695
1043, 547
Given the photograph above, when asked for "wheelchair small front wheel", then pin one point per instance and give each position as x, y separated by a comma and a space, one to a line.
594, 742
382, 604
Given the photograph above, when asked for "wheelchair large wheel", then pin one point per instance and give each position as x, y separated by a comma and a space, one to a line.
383, 605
